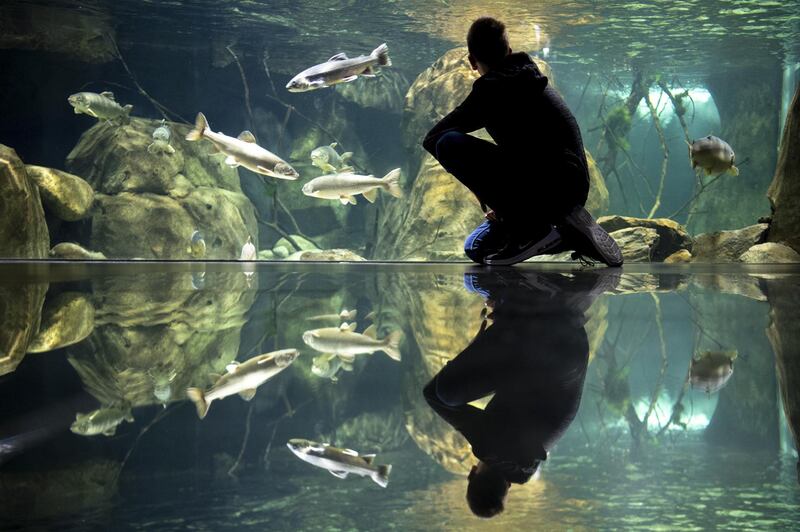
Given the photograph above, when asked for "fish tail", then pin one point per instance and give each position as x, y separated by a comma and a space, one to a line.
392, 347
733, 170
392, 183
381, 477
200, 126
197, 396
381, 53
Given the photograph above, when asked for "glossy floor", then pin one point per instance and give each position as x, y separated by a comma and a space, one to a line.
661, 398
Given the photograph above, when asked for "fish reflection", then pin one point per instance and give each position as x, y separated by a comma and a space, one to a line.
346, 342
101, 421
340, 462
711, 370
533, 359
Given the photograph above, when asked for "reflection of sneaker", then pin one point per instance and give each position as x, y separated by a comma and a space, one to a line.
516, 251
590, 239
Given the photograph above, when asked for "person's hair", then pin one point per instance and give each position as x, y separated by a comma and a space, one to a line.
486, 493
487, 40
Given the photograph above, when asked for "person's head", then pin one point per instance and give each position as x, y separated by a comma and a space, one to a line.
486, 491
487, 42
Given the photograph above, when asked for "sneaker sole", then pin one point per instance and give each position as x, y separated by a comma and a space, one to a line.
548, 242
607, 249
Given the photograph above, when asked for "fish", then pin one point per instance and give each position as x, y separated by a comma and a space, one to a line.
198, 280
340, 69
327, 159
160, 144
243, 151
713, 155
327, 366
344, 341
101, 421
711, 370
340, 462
248, 250
101, 106
198, 245
344, 315
345, 186
242, 379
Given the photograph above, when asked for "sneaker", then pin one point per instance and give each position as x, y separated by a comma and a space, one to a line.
516, 251
590, 239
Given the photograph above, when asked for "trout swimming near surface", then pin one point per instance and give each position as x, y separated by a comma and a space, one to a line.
340, 462
346, 185
101, 106
347, 343
340, 69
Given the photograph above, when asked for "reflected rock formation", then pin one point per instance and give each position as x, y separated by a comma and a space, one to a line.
67, 319
21, 309
784, 192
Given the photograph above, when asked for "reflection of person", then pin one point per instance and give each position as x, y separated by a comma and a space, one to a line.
535, 179
533, 358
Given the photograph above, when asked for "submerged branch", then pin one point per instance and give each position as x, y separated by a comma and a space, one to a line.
235, 465
245, 86
664, 161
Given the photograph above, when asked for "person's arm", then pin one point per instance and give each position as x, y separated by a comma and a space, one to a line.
466, 118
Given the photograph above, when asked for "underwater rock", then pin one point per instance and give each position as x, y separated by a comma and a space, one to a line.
672, 236
68, 196
727, 246
375, 432
637, 243
66, 320
266, 254
73, 251
303, 243
744, 285
329, 255
385, 92
21, 309
23, 229
770, 253
681, 256
784, 191
149, 205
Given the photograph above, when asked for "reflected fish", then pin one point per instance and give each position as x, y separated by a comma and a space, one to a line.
344, 315
242, 379
340, 69
346, 185
198, 245
340, 462
243, 151
711, 370
327, 159
344, 341
713, 155
101, 106
198, 280
327, 366
102, 421
248, 250
160, 144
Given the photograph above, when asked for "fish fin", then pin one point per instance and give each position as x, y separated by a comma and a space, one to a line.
351, 452
200, 125
248, 394
170, 150
344, 200
370, 316
91, 113
151, 149
392, 183
349, 314
110, 431
231, 161
108, 94
368, 458
381, 53
348, 79
370, 195
381, 476
392, 347
333, 145
348, 327
128, 417
371, 331
347, 366
232, 367
197, 396
346, 169
247, 136
338, 474
368, 73
341, 56
346, 156
733, 170
327, 167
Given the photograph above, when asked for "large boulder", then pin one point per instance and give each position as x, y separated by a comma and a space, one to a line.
21, 309
638, 244
67, 319
23, 229
770, 253
727, 246
784, 192
67, 196
672, 236
150, 205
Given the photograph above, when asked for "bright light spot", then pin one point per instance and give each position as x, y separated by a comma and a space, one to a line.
698, 409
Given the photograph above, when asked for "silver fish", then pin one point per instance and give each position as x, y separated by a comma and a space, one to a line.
243, 151
345, 186
340, 69
340, 462
101, 421
327, 159
243, 379
101, 106
160, 144
344, 341
713, 155
327, 366
711, 370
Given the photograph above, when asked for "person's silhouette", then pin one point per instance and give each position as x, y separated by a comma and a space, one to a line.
533, 358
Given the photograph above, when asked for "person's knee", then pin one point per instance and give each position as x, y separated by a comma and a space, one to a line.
436, 394
447, 145
475, 254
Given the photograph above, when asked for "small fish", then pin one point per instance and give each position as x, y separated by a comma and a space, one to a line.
102, 421
160, 144
345, 186
713, 155
101, 106
345, 315
711, 370
327, 159
248, 250
327, 366
198, 245
243, 379
198, 280
340, 69
340, 462
243, 151
344, 341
